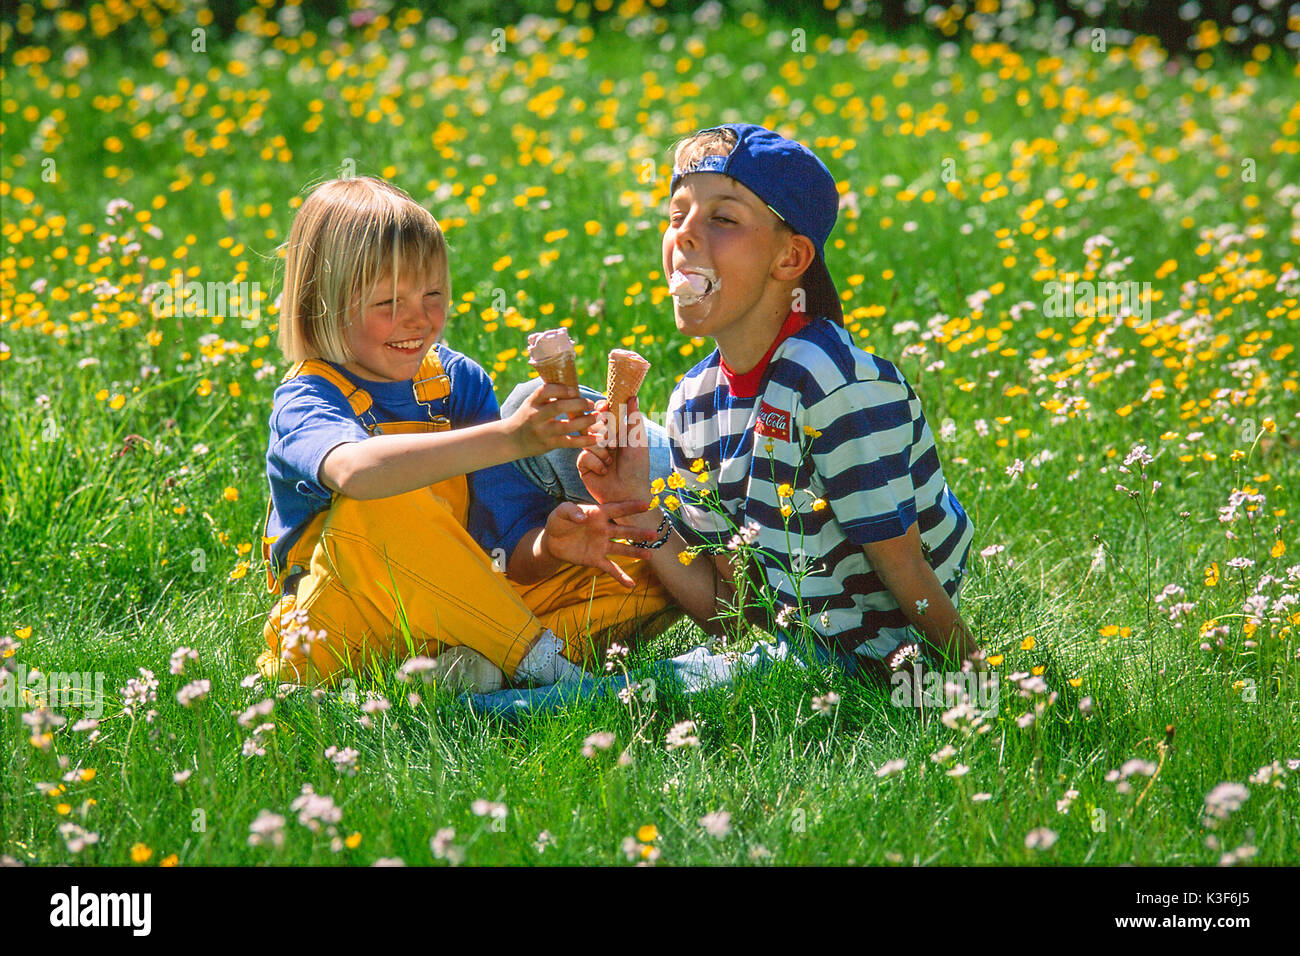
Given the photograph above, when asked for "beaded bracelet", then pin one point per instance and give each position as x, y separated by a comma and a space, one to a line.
663, 532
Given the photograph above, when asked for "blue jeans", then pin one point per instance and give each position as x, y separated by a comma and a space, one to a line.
697, 670
556, 472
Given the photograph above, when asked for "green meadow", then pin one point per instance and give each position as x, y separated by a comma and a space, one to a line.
1069, 251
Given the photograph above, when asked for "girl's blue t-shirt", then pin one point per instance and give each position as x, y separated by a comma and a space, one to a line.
310, 417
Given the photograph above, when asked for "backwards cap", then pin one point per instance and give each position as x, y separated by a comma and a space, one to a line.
796, 185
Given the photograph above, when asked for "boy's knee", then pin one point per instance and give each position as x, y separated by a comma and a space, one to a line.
518, 395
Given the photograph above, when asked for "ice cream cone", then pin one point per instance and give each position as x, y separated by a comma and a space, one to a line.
551, 353
558, 369
627, 370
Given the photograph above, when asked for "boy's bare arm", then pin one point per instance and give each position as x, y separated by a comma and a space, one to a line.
701, 587
917, 589
387, 465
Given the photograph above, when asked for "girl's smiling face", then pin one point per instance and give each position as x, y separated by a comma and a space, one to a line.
393, 326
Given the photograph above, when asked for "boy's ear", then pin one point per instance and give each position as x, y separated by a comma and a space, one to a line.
795, 260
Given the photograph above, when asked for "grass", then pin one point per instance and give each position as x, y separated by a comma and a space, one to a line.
131, 464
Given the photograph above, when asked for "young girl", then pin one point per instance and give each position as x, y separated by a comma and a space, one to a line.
390, 482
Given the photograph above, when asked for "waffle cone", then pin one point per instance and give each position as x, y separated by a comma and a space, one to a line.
627, 371
558, 369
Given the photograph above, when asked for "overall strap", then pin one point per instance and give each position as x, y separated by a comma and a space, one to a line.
431, 383
358, 398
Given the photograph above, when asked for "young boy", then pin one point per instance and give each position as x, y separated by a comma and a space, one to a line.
815, 449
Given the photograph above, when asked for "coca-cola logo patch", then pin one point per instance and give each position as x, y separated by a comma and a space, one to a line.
772, 422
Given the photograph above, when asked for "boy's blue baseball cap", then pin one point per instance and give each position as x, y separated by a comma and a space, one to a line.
796, 185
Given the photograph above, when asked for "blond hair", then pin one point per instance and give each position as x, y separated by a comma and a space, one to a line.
707, 142
348, 235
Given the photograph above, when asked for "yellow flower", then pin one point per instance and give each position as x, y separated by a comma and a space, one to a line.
811, 432
140, 853
1212, 574
63, 809
676, 481
239, 571
353, 841
703, 479
22, 633
230, 494
686, 557
1279, 549
88, 774
1038, 669
697, 465
993, 660
648, 833
654, 502
768, 446
784, 491
657, 486
116, 402
647, 851
1028, 643
170, 860
1076, 681
819, 504
786, 511
1110, 630
671, 503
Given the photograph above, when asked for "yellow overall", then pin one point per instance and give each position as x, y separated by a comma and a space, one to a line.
401, 576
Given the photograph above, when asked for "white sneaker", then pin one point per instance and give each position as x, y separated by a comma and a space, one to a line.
544, 664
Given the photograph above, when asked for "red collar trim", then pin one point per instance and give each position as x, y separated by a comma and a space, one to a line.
746, 385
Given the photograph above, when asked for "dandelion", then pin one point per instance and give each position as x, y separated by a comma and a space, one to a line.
716, 824
682, 735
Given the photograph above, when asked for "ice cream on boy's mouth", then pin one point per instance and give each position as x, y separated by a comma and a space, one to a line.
690, 287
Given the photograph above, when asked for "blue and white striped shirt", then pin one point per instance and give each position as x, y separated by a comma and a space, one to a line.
845, 431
